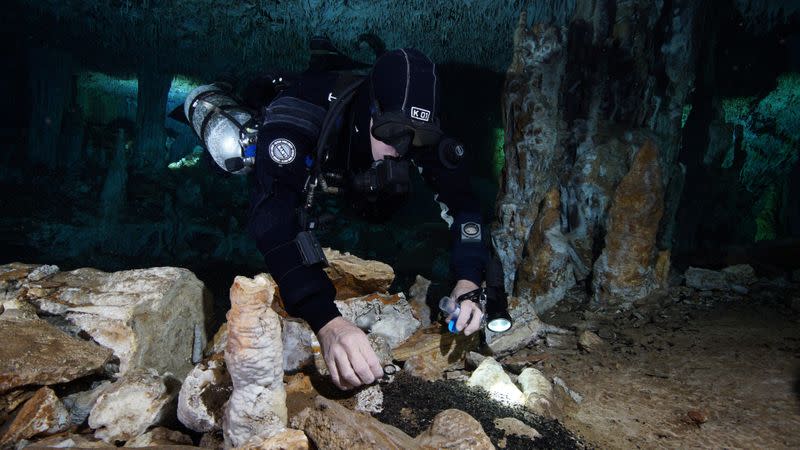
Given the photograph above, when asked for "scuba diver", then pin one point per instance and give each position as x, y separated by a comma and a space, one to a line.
338, 132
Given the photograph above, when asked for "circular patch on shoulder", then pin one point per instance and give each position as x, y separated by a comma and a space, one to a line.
471, 229
282, 151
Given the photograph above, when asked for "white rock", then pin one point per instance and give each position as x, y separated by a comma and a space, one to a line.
254, 358
199, 404
370, 399
538, 391
299, 344
387, 315
576, 397
516, 427
42, 272
490, 376
146, 317
705, 279
132, 404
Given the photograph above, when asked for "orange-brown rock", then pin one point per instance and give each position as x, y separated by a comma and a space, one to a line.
546, 274
453, 429
160, 437
42, 414
436, 343
287, 440
625, 271
332, 426
355, 277
35, 352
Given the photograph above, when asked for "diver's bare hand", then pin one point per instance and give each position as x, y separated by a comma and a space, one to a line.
348, 354
469, 319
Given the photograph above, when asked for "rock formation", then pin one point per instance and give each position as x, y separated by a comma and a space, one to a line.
254, 359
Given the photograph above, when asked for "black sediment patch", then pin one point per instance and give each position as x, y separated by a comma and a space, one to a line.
410, 403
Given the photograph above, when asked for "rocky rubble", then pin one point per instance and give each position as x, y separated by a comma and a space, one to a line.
236, 394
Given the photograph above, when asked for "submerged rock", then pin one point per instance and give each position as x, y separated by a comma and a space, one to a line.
147, 317
160, 437
356, 277
539, 397
430, 351
35, 352
80, 404
41, 414
254, 358
203, 395
516, 427
456, 430
288, 439
133, 404
491, 377
332, 426
387, 315
419, 295
733, 278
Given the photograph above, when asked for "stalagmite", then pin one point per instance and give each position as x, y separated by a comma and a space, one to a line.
254, 357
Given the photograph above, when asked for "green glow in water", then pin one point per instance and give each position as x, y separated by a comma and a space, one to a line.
190, 160
499, 158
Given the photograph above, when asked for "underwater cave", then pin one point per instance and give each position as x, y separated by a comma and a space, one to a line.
616, 183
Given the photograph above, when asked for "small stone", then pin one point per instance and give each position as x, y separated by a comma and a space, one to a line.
516, 427
132, 404
491, 377
338, 428
299, 344
41, 414
560, 341
203, 395
697, 416
299, 383
387, 315
740, 275
576, 397
355, 277
80, 404
289, 439
419, 296
538, 391
588, 341
705, 279
70, 440
370, 399
42, 272
160, 437
454, 429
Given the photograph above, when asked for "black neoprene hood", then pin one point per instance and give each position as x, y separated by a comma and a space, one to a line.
406, 80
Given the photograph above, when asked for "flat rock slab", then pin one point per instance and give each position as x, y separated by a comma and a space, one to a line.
35, 352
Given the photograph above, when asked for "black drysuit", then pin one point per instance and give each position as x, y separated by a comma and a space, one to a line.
295, 116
